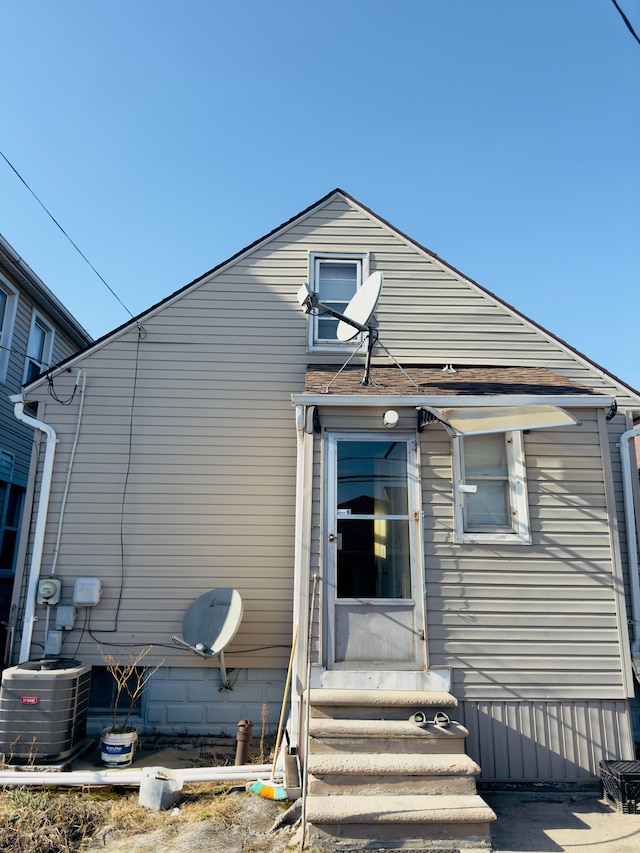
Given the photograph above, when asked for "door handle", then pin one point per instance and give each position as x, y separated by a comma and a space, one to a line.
331, 537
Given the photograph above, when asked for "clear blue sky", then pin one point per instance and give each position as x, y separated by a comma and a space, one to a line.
504, 135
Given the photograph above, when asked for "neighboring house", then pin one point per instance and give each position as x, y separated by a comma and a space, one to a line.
475, 548
36, 331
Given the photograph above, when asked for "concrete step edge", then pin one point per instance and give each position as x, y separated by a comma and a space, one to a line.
439, 808
390, 764
330, 727
417, 699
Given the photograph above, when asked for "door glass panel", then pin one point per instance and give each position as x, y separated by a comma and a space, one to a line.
372, 478
373, 555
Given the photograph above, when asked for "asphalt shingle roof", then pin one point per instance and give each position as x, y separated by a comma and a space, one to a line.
477, 381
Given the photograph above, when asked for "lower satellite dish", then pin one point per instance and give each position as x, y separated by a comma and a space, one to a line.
210, 623
361, 308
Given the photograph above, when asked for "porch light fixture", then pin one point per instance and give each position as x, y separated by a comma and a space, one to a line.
390, 419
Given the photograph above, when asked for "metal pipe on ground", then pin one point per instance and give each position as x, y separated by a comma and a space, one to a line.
243, 741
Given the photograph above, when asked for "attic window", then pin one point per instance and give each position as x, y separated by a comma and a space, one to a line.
335, 279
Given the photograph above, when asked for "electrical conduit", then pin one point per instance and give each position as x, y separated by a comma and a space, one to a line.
41, 520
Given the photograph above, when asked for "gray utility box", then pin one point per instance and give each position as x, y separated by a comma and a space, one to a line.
43, 710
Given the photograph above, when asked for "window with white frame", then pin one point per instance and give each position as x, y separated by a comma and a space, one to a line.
335, 280
8, 304
39, 349
491, 488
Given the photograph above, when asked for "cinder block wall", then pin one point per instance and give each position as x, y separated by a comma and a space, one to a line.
187, 701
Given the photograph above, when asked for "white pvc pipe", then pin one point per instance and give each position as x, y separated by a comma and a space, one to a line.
133, 775
632, 537
41, 520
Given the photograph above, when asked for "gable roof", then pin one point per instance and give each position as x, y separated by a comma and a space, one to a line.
280, 229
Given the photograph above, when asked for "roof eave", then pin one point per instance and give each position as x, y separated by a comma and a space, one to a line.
569, 401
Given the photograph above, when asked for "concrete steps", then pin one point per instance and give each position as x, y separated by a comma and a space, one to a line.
377, 780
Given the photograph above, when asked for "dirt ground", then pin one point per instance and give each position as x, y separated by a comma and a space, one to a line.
527, 823
251, 834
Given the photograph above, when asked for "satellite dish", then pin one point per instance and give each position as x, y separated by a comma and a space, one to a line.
356, 317
210, 623
361, 308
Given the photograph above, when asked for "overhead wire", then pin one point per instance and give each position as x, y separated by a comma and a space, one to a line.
627, 21
55, 221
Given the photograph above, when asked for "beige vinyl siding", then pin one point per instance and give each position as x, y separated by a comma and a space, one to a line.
515, 622
210, 469
536, 621
210, 487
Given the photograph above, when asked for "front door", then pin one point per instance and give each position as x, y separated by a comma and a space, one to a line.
374, 599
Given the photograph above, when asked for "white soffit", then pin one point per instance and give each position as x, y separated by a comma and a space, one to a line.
475, 421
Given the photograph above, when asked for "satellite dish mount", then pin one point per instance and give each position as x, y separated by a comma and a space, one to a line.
357, 315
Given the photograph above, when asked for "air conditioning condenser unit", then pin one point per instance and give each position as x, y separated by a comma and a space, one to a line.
43, 710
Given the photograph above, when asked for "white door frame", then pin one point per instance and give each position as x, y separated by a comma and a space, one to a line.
416, 545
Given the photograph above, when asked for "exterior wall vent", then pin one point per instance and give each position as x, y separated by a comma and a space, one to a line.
43, 710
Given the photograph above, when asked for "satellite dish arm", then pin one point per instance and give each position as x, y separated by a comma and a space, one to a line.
206, 653
309, 300
180, 642
339, 316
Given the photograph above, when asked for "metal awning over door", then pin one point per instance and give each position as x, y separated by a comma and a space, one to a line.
465, 420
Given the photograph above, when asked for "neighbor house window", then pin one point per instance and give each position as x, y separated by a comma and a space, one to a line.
11, 501
38, 349
491, 489
8, 303
335, 279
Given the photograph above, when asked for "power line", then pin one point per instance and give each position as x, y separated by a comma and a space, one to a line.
55, 221
627, 21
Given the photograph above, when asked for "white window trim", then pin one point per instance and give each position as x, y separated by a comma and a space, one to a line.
521, 530
6, 332
48, 350
357, 257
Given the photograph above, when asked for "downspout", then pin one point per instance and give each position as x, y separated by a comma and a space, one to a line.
298, 580
632, 544
41, 520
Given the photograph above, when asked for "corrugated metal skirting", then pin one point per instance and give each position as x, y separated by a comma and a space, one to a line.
546, 741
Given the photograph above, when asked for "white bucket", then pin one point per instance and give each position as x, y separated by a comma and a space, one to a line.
117, 748
159, 788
